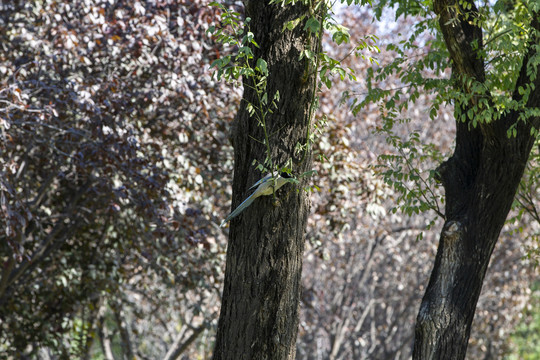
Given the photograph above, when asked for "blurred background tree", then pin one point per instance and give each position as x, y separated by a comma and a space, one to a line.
115, 167
111, 170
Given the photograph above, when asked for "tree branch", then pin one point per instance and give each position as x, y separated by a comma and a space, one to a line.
528, 68
127, 347
179, 347
463, 36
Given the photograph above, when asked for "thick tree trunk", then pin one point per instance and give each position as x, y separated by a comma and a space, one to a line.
480, 180
259, 312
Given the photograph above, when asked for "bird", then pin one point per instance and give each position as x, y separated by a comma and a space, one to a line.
265, 186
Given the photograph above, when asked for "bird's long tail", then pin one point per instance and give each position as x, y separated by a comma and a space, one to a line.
239, 209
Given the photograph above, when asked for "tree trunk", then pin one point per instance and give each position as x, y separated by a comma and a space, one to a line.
480, 180
259, 311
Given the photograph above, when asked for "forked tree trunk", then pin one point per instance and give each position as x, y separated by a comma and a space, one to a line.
480, 180
259, 311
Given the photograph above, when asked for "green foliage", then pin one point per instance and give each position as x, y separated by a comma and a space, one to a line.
232, 67
506, 36
402, 172
525, 340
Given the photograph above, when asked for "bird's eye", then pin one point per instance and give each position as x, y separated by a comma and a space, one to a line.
285, 175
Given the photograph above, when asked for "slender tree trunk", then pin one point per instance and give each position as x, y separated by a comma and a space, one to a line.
259, 312
480, 180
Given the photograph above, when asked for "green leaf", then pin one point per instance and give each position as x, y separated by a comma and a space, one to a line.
432, 113
290, 25
262, 66
313, 25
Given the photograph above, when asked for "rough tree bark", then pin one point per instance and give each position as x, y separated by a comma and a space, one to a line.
480, 180
259, 311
